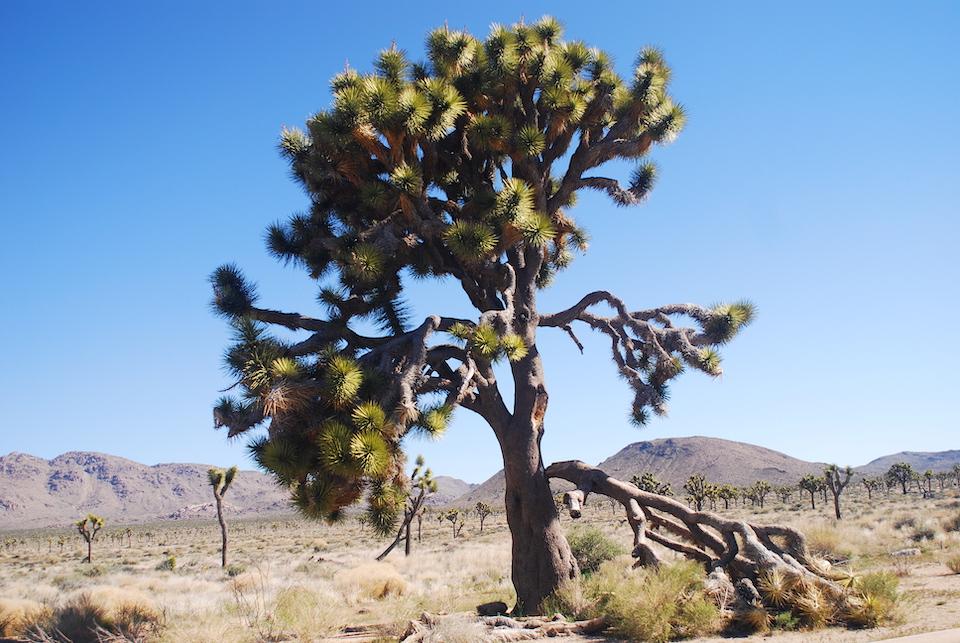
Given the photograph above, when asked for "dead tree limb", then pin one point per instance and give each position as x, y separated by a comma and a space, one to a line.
741, 549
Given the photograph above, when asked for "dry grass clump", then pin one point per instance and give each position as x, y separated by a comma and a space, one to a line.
100, 613
952, 523
372, 580
643, 604
831, 542
20, 615
953, 564
307, 613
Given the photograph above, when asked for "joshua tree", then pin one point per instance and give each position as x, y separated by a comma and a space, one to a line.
455, 518
837, 480
220, 481
956, 474
928, 481
483, 511
760, 490
942, 478
901, 473
422, 485
464, 169
727, 493
650, 483
696, 487
812, 484
783, 493
871, 484
88, 528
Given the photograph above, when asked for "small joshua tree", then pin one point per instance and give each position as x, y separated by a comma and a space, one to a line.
455, 518
88, 528
783, 493
956, 474
837, 480
942, 478
759, 491
696, 488
422, 485
650, 483
483, 511
220, 480
901, 473
812, 484
728, 492
871, 484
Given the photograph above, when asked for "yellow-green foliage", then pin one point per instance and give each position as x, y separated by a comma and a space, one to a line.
646, 604
307, 613
876, 600
591, 547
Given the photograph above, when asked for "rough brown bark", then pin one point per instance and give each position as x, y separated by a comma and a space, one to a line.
541, 560
223, 528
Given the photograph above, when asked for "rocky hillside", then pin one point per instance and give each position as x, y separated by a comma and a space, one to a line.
675, 459
920, 460
41, 493
37, 493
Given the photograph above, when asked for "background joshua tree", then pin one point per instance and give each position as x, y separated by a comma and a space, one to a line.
956, 474
220, 481
943, 477
872, 484
483, 510
463, 168
727, 492
901, 473
759, 491
837, 480
783, 493
696, 488
455, 518
88, 528
650, 483
812, 484
422, 485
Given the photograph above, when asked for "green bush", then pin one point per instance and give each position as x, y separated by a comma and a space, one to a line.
235, 570
591, 547
653, 604
167, 564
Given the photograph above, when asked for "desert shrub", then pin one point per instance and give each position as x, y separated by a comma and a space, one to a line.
653, 604
953, 563
372, 580
952, 523
876, 601
785, 621
591, 547
168, 564
829, 542
18, 616
905, 522
924, 532
92, 571
306, 613
235, 570
570, 600
86, 616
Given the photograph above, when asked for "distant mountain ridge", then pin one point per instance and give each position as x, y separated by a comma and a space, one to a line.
37, 493
40, 493
919, 460
674, 460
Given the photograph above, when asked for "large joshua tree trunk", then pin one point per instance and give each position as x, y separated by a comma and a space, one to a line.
223, 531
542, 559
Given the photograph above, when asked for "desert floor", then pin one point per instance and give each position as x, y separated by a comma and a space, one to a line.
289, 579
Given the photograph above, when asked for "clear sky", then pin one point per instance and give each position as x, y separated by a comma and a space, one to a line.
818, 176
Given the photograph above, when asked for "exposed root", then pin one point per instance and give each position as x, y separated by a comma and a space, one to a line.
505, 628
749, 554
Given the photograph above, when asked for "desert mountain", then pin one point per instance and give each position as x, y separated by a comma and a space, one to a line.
676, 459
449, 489
38, 493
920, 460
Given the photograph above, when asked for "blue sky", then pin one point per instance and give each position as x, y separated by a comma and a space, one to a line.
818, 176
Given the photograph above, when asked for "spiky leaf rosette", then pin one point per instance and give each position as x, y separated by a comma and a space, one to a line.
461, 167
